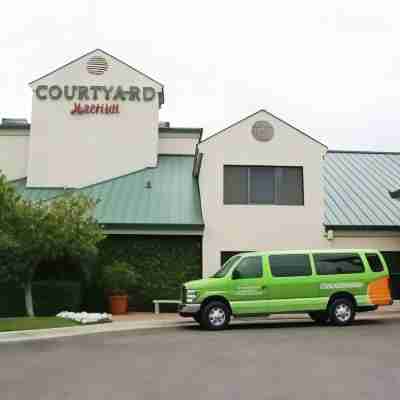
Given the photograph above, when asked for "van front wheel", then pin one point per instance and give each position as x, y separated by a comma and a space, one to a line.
342, 312
215, 316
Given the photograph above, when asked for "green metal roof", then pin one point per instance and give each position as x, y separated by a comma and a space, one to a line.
35, 194
359, 189
164, 197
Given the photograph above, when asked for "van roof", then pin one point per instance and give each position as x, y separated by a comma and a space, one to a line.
310, 251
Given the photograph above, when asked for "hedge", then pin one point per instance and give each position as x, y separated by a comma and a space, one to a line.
162, 264
49, 298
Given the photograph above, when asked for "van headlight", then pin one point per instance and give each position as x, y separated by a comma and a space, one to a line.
191, 295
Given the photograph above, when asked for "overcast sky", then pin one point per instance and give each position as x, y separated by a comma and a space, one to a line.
332, 70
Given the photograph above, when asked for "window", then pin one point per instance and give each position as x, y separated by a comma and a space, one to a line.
339, 263
263, 185
226, 267
290, 185
290, 265
375, 262
235, 185
226, 255
249, 267
392, 259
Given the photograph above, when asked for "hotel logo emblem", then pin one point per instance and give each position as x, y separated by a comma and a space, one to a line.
262, 131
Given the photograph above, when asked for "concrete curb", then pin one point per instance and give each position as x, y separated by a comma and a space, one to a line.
121, 326
116, 326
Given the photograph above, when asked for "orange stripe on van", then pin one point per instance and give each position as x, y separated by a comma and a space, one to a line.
379, 292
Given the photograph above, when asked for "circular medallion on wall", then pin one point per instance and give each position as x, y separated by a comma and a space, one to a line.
97, 65
262, 131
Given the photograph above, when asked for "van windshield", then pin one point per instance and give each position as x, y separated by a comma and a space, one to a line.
226, 267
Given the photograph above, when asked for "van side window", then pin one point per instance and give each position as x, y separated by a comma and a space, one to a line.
249, 267
290, 265
375, 262
338, 263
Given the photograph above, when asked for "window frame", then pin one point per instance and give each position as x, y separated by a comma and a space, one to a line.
275, 185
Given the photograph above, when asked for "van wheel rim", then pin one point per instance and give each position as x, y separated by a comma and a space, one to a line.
217, 316
343, 312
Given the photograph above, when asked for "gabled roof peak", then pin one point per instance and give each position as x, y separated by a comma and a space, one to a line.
270, 114
92, 52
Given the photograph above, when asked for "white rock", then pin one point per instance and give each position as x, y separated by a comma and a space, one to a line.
85, 318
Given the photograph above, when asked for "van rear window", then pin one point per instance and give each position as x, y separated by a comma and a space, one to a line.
375, 262
338, 263
290, 265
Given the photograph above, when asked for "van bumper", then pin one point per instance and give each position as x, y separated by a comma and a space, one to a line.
188, 310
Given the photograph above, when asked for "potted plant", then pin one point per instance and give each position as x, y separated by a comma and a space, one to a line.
118, 277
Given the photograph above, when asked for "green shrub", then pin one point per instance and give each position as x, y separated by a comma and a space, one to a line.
12, 301
49, 298
94, 299
118, 278
161, 265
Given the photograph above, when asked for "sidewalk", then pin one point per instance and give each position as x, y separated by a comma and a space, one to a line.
138, 321
119, 324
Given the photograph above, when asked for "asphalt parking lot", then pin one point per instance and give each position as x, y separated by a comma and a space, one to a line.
276, 359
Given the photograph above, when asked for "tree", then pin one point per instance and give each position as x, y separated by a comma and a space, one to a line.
34, 232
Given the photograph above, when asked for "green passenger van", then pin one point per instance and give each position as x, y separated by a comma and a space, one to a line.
329, 285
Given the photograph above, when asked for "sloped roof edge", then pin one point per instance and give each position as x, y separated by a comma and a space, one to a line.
252, 115
90, 52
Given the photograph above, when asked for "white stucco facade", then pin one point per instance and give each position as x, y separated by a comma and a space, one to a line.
259, 227
14, 150
177, 144
74, 150
64, 149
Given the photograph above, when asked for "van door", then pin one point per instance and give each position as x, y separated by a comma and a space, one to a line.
293, 285
247, 291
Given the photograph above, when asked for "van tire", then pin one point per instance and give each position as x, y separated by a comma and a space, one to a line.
197, 318
320, 317
342, 311
215, 316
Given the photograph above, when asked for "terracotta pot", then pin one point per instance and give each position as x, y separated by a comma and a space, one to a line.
118, 304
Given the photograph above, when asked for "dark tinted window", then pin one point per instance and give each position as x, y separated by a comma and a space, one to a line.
345, 263
226, 267
290, 184
392, 259
290, 265
235, 185
375, 262
263, 185
249, 267
226, 255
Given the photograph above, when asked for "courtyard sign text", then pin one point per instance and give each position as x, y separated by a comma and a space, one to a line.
82, 93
